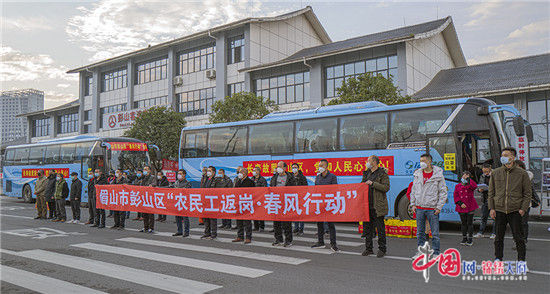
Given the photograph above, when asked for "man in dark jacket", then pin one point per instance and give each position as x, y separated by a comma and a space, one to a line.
91, 199
50, 189
148, 218
161, 181
182, 221
300, 181
210, 224
60, 194
379, 184
225, 182
119, 216
484, 190
76, 193
282, 178
325, 177
99, 179
259, 181
244, 224
509, 199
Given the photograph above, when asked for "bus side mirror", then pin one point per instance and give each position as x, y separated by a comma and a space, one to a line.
529, 133
519, 126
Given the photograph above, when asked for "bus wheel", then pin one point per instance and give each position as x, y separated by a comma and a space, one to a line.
27, 194
403, 208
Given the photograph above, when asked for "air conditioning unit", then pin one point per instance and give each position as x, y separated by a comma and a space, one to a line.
178, 81
211, 74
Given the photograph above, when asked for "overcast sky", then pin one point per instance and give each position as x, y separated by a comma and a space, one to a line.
41, 40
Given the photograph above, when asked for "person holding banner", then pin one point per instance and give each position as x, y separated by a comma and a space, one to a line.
379, 184
244, 224
279, 179
161, 181
300, 181
182, 182
91, 199
225, 182
210, 224
148, 218
99, 179
259, 181
119, 216
325, 177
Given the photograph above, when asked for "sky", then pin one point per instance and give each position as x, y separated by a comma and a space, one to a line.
41, 40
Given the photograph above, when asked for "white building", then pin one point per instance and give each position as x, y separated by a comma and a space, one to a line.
13, 103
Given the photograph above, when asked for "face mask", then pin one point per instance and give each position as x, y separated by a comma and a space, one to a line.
504, 160
295, 170
368, 164
423, 165
74, 178
59, 178
90, 176
280, 170
219, 175
180, 177
254, 173
96, 174
159, 177
465, 181
138, 175
145, 172
240, 176
322, 170
117, 175
208, 174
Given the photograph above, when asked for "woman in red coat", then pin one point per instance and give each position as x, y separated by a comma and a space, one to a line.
465, 206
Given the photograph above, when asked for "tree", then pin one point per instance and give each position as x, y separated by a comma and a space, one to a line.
160, 126
241, 106
369, 87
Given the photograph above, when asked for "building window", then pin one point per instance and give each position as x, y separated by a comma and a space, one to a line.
86, 129
235, 88
116, 79
41, 127
87, 114
196, 102
538, 112
284, 89
88, 85
235, 49
150, 71
67, 123
197, 59
110, 109
337, 74
151, 102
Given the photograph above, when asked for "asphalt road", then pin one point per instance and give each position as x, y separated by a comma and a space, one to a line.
41, 256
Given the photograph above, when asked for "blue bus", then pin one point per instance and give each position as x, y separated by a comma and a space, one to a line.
460, 134
79, 154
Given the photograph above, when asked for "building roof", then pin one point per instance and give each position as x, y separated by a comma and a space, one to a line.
21, 93
418, 31
74, 103
307, 12
495, 78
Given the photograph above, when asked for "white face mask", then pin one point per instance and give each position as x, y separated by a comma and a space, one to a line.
208, 174
280, 170
368, 164
117, 175
59, 178
254, 173
159, 177
295, 170
240, 176
180, 177
321, 169
423, 165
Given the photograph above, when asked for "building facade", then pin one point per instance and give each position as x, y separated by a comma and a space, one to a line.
12, 104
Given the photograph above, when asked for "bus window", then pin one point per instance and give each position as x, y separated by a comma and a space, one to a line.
271, 138
413, 125
9, 158
68, 153
21, 156
364, 131
36, 155
317, 135
52, 154
83, 150
227, 141
194, 145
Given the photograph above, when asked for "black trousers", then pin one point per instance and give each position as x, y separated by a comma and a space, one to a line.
244, 226
120, 218
259, 224
525, 224
51, 206
148, 221
75, 208
210, 227
91, 208
100, 217
279, 228
467, 224
514, 220
376, 223
321, 231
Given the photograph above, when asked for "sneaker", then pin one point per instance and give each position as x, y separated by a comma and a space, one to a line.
76, 221
247, 241
318, 245
464, 241
101, 227
94, 226
380, 254
213, 238
88, 223
151, 231
276, 243
37, 217
237, 240
205, 237
142, 231
185, 235
287, 244
177, 234
470, 242
334, 248
113, 227
478, 235
62, 221
367, 252
493, 236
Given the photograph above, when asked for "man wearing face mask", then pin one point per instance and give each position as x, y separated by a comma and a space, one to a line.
484, 180
50, 190
282, 178
244, 226
61, 193
99, 179
148, 218
39, 190
119, 216
225, 182
137, 182
428, 195
182, 221
259, 181
91, 199
325, 177
210, 224
76, 193
161, 181
300, 181
509, 199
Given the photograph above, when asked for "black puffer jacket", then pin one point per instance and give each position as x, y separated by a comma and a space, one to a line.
300, 179
50, 187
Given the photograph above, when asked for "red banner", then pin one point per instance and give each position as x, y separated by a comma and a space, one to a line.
33, 172
333, 203
128, 146
353, 166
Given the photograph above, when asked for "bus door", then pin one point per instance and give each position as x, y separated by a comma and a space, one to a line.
94, 160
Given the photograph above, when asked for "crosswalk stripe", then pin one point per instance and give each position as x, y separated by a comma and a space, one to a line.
221, 251
40, 283
142, 277
179, 260
294, 238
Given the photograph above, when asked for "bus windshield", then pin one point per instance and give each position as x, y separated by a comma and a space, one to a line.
129, 160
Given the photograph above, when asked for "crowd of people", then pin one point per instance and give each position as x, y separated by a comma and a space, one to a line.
507, 196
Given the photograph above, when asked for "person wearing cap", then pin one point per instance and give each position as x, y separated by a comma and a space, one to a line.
75, 194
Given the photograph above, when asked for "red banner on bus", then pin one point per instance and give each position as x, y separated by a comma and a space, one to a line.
128, 146
330, 203
353, 166
33, 172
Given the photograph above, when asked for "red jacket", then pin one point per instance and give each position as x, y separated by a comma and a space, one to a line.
465, 194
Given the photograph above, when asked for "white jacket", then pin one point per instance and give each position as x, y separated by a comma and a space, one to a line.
433, 193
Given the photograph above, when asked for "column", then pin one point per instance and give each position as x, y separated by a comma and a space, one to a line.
316, 89
94, 127
82, 83
221, 67
131, 81
172, 63
402, 68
